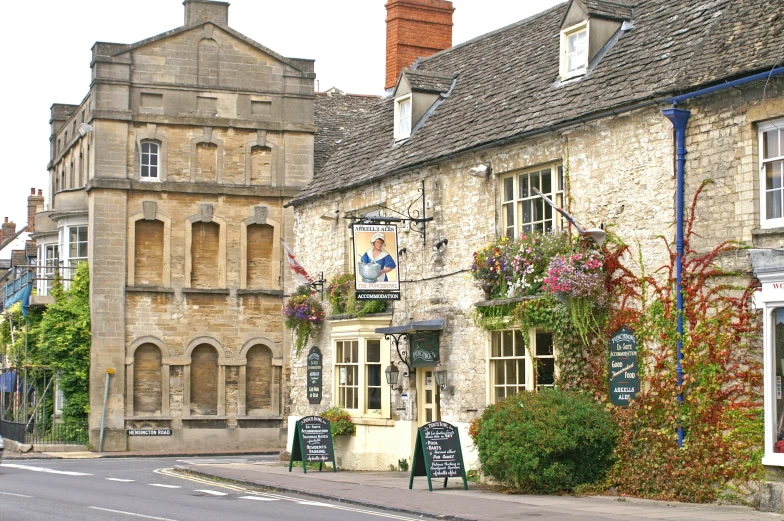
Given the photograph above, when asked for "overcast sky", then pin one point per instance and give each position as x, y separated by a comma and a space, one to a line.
46, 50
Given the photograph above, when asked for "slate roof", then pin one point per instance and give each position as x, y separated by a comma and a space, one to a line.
423, 81
336, 114
506, 82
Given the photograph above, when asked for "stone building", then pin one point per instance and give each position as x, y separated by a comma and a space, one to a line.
169, 179
581, 102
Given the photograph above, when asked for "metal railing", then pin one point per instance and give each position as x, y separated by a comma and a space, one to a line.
32, 416
42, 277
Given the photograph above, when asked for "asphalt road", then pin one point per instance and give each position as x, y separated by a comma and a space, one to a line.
143, 488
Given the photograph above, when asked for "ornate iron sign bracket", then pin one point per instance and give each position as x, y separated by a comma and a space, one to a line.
396, 339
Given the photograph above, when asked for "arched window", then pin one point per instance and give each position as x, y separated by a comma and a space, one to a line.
150, 161
204, 380
147, 386
263, 382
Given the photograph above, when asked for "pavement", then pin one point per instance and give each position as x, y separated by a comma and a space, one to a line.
389, 491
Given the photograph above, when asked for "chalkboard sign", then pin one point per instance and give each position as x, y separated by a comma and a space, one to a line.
312, 443
623, 374
314, 376
437, 454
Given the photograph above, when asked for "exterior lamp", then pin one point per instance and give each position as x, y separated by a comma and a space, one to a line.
441, 378
391, 373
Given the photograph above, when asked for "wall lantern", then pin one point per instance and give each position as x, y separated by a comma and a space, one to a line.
441, 378
392, 373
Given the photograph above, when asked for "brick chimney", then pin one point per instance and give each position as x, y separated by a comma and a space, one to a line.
35, 204
197, 11
415, 29
9, 229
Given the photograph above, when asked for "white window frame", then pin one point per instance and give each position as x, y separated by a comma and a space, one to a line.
361, 331
402, 130
149, 164
770, 126
527, 353
523, 198
74, 260
565, 34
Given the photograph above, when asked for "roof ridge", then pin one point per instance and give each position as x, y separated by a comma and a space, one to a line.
492, 33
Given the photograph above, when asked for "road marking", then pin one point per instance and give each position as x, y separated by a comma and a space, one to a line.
48, 471
257, 498
132, 514
15, 495
212, 492
120, 480
313, 503
163, 486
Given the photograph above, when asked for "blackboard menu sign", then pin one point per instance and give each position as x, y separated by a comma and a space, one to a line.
437, 454
312, 443
424, 349
623, 374
314, 376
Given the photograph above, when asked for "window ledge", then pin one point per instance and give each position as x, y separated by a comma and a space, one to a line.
204, 417
206, 290
377, 422
148, 289
148, 418
271, 292
348, 316
503, 302
260, 418
767, 232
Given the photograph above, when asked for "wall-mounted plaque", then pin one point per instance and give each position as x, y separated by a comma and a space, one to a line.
424, 348
623, 374
314, 378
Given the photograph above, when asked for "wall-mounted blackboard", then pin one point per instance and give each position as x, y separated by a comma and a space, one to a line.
314, 376
312, 443
623, 372
437, 454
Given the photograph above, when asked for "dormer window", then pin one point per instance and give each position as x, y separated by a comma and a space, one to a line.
403, 117
574, 51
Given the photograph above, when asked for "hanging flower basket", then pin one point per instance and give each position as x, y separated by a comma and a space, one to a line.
302, 314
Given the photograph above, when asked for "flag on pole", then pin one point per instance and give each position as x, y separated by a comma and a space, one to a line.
298, 270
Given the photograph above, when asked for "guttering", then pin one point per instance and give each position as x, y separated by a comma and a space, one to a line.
679, 119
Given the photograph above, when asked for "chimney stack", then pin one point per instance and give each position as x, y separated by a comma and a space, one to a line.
200, 11
35, 204
415, 29
9, 229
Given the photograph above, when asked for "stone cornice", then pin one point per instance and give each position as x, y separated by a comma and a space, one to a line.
191, 188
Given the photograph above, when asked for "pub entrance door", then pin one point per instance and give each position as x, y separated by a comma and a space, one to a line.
427, 396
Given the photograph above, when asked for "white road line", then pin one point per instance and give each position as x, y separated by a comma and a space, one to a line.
48, 471
163, 486
15, 495
258, 498
120, 480
212, 492
313, 504
131, 514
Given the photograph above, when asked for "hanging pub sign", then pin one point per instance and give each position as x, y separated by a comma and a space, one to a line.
623, 374
312, 443
314, 376
424, 348
376, 262
437, 454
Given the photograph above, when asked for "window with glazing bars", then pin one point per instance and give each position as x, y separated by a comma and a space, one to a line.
523, 210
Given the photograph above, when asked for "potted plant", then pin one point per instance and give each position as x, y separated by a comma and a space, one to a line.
339, 421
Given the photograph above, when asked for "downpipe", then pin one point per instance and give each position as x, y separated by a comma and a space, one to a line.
109, 373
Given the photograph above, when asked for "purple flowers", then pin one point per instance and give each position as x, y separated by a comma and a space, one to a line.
579, 275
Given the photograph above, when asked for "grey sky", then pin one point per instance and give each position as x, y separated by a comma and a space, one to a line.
46, 49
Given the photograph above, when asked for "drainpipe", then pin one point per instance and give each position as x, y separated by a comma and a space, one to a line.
679, 118
109, 373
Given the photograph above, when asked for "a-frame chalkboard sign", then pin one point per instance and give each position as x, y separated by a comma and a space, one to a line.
312, 443
437, 454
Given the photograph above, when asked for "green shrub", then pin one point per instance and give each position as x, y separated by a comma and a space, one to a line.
339, 421
545, 442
